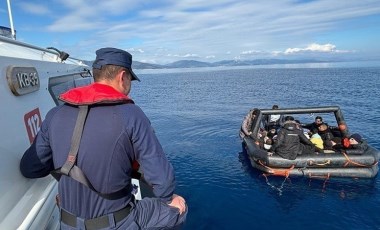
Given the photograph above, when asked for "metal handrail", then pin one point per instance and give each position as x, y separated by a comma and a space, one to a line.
321, 109
15, 42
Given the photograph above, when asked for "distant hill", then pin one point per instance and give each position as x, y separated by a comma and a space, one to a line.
199, 64
193, 63
137, 65
262, 62
89, 63
188, 64
142, 65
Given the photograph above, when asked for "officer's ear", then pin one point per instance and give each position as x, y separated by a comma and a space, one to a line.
117, 81
119, 78
127, 78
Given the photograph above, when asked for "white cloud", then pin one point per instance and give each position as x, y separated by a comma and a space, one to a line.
345, 51
190, 55
250, 52
72, 23
151, 61
314, 47
135, 50
197, 29
33, 8
183, 56
276, 53
73, 18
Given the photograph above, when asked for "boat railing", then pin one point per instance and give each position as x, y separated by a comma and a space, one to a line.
323, 109
26, 45
7, 32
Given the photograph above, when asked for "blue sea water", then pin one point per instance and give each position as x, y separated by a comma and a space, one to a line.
197, 115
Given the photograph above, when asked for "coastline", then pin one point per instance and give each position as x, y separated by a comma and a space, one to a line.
351, 64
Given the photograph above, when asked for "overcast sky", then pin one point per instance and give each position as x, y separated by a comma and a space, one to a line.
164, 31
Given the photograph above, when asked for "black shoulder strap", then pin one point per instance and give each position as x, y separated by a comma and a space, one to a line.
71, 170
75, 140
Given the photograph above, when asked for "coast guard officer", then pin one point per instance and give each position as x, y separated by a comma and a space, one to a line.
97, 134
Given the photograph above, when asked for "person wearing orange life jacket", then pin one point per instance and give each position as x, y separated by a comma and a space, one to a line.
116, 132
354, 145
336, 143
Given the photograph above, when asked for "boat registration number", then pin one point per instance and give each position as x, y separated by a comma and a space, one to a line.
22, 80
33, 123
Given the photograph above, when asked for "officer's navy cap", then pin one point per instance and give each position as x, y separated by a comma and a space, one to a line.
113, 56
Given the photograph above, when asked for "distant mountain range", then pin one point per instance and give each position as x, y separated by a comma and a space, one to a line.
199, 64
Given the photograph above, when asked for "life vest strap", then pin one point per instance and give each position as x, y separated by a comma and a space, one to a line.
71, 170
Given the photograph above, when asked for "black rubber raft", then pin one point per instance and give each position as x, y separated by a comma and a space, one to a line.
324, 165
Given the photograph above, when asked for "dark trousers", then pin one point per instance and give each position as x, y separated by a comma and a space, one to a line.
148, 213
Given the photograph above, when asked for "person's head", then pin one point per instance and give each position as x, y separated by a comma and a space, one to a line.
289, 118
253, 112
318, 120
114, 67
272, 130
268, 144
355, 139
322, 127
275, 107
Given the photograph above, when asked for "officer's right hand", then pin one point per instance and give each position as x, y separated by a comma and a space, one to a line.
178, 202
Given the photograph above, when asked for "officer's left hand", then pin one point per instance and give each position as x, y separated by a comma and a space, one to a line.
178, 202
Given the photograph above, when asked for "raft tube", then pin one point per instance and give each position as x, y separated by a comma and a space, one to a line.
320, 172
326, 164
327, 159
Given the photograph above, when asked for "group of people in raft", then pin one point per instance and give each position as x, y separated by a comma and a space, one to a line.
287, 137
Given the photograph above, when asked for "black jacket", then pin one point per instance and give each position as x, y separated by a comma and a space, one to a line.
290, 140
326, 136
358, 149
311, 126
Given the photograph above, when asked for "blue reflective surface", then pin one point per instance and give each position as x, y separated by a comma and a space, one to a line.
197, 115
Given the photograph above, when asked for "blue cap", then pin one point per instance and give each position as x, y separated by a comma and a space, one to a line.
113, 56
357, 137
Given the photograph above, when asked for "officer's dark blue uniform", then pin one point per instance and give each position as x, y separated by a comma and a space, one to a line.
116, 133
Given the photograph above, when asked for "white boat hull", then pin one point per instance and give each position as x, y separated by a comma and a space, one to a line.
26, 203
